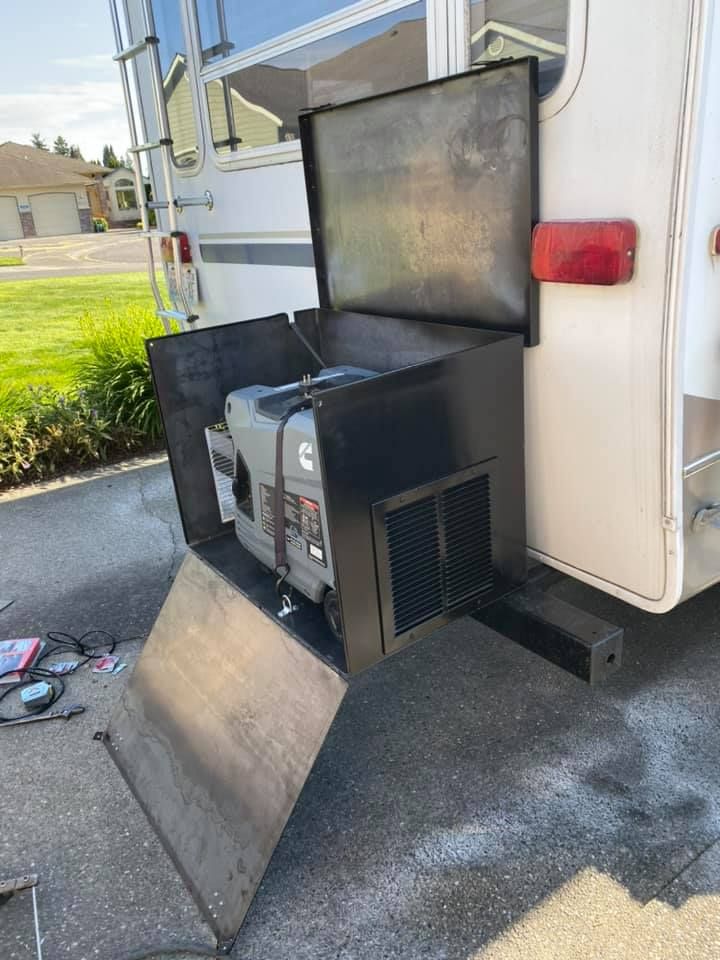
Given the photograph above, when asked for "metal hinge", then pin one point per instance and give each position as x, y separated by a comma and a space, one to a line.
16, 884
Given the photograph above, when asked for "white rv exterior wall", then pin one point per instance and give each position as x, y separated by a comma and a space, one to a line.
699, 296
595, 384
604, 389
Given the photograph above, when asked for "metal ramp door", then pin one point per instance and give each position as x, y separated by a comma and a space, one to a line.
216, 734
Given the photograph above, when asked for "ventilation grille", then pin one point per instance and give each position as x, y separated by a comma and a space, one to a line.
416, 576
222, 457
439, 553
465, 512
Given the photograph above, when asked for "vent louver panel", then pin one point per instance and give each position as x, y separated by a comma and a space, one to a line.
465, 512
222, 461
413, 543
439, 551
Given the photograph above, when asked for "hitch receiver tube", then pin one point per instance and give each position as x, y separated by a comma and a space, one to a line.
585, 645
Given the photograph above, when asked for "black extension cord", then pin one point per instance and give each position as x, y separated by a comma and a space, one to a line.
68, 645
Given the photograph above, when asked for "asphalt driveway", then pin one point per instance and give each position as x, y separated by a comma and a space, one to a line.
117, 251
471, 802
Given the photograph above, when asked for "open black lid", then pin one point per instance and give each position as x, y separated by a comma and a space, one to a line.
422, 201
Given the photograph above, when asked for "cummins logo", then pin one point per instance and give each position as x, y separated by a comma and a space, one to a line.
305, 455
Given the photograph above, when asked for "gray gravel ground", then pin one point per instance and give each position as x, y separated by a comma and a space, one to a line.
471, 801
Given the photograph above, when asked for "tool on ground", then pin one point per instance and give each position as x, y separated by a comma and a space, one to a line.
53, 715
94, 646
17, 884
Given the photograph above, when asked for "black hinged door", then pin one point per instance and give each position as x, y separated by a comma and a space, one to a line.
422, 201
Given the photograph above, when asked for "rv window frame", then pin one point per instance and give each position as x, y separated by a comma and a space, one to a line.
142, 101
576, 42
448, 52
350, 16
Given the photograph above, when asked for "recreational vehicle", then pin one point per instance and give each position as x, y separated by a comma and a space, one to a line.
456, 262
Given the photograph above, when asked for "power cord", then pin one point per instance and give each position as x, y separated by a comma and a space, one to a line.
80, 646
66, 644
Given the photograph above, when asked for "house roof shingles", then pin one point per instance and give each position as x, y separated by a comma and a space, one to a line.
25, 166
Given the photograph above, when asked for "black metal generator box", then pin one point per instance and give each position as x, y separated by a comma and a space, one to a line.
409, 380
421, 205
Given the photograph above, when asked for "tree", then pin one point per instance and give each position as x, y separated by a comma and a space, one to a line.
61, 146
75, 153
109, 158
37, 141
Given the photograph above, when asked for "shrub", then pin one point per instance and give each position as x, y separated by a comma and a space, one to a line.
152, 220
109, 412
116, 374
43, 431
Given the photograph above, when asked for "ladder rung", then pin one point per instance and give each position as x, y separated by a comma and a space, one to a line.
135, 48
152, 145
177, 315
157, 204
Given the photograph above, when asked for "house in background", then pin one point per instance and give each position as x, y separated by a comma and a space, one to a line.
123, 205
46, 195
496, 40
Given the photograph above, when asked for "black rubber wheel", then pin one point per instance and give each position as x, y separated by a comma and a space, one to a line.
331, 608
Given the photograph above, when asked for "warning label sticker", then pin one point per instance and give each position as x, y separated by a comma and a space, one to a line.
311, 527
303, 526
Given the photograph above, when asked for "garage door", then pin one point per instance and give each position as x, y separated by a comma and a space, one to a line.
55, 214
10, 226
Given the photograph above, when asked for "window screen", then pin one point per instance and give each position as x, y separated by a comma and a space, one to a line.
519, 28
258, 105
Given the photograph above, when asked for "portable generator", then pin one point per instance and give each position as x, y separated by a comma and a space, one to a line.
273, 434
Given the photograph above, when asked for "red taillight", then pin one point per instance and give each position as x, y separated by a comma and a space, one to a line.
584, 251
166, 250
715, 242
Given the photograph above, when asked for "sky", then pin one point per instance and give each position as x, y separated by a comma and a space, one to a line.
57, 75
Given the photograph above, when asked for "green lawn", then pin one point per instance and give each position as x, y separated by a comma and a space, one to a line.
39, 322
11, 261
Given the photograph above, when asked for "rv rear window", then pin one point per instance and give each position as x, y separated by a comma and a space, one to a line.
258, 106
176, 82
519, 28
228, 27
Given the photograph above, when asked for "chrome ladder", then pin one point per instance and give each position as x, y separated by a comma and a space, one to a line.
173, 205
